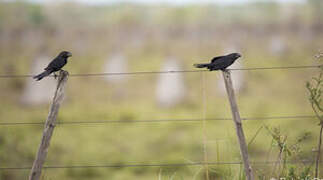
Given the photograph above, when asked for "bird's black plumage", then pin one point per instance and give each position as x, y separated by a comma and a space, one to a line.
55, 65
220, 62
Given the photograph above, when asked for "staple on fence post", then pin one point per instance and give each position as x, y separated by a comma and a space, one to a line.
238, 125
35, 172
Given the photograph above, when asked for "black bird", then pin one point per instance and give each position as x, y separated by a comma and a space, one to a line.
220, 62
55, 65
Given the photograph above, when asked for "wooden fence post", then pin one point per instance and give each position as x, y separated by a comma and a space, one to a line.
35, 172
238, 125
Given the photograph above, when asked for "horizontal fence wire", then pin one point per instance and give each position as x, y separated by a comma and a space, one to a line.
159, 120
157, 165
164, 72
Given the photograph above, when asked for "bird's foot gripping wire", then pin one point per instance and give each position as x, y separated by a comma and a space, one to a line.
55, 75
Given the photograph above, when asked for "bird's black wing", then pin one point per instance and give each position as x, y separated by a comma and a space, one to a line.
216, 58
219, 62
56, 64
222, 63
52, 64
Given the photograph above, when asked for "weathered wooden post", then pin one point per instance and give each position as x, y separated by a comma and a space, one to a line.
35, 172
238, 124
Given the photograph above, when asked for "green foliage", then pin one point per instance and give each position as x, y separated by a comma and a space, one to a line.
306, 173
288, 150
295, 174
315, 89
280, 141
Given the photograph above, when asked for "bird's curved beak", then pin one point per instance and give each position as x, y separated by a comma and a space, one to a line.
69, 54
239, 55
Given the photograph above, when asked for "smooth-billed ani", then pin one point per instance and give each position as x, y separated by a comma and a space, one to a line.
220, 62
55, 65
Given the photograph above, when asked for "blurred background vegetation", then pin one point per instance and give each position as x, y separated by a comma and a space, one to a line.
266, 33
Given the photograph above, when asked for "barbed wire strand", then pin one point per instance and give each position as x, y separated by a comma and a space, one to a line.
159, 120
164, 72
154, 165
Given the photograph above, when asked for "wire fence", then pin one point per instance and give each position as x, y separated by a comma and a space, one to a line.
302, 117
165, 72
158, 165
125, 165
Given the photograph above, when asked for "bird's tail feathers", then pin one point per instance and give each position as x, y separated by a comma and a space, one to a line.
42, 75
201, 65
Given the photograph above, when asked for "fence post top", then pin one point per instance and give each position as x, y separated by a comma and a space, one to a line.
64, 73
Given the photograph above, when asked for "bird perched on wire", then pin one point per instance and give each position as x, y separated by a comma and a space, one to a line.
54, 65
220, 62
